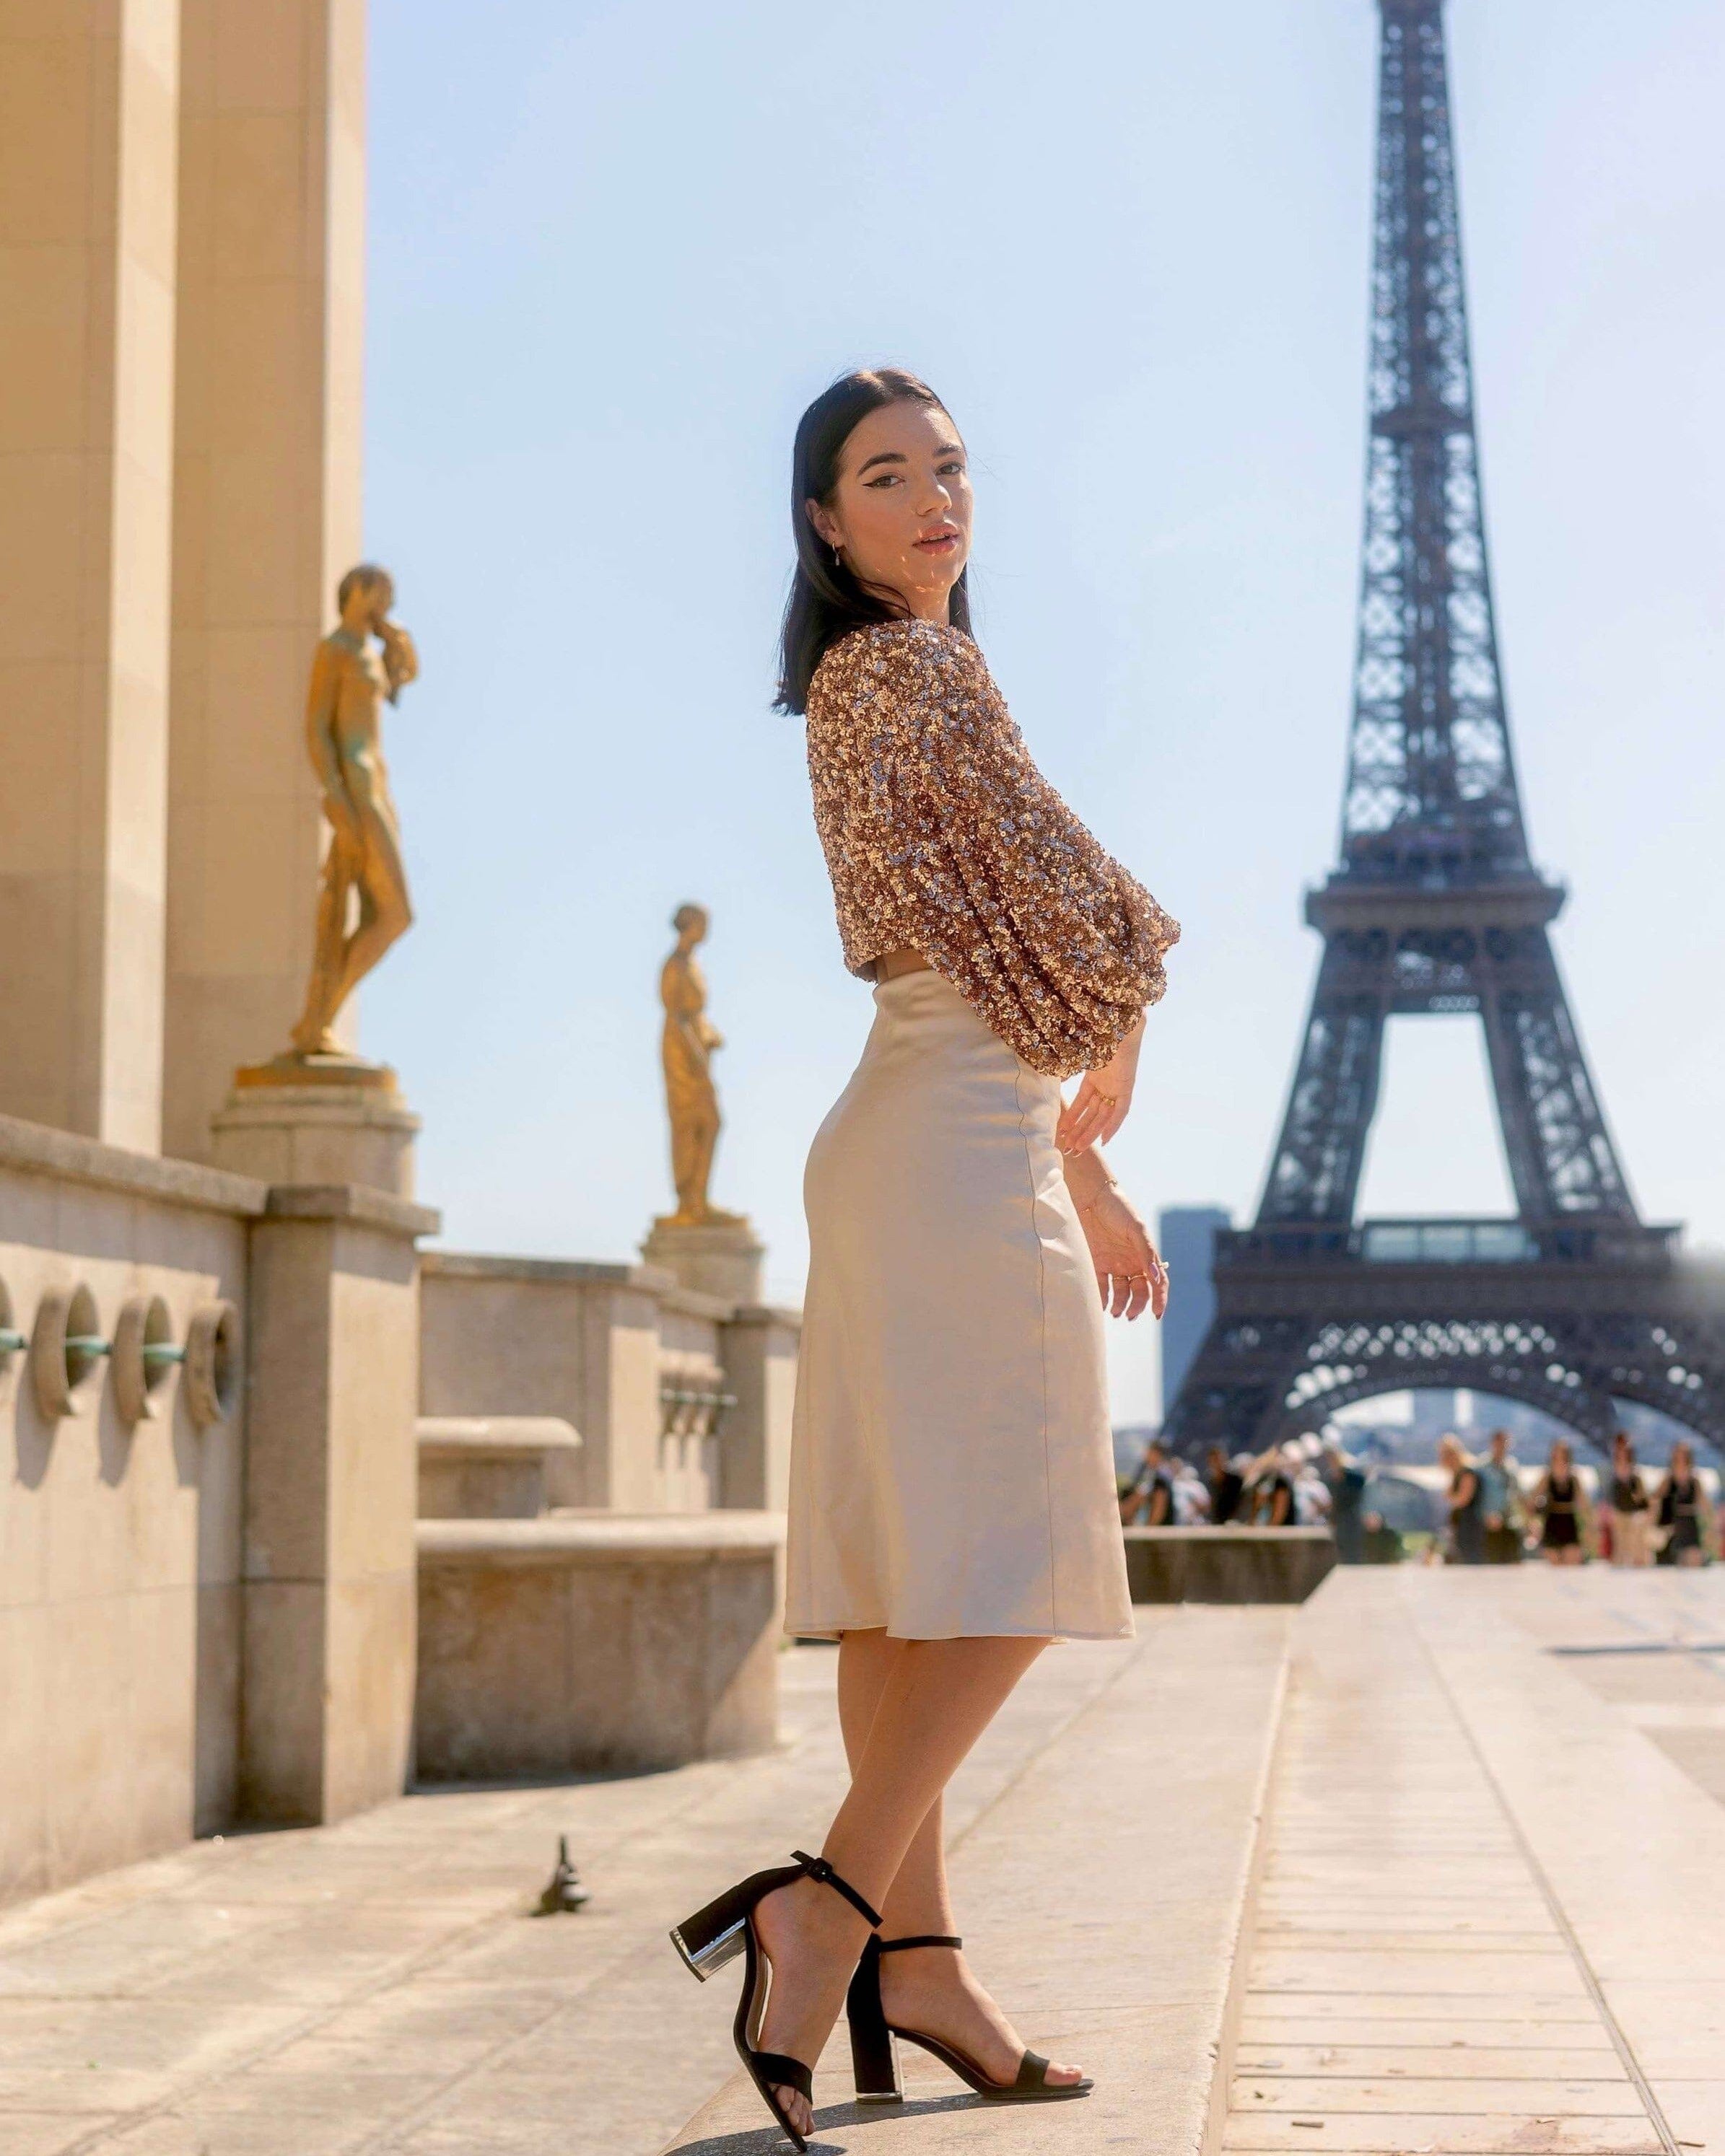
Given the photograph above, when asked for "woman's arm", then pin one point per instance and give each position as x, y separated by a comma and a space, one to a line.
1129, 1272
1099, 1107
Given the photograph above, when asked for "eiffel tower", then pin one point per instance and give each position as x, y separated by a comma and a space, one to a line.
1435, 906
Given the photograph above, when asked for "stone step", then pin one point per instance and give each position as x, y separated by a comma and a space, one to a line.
1101, 1895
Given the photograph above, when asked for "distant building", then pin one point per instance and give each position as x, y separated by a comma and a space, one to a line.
1186, 1234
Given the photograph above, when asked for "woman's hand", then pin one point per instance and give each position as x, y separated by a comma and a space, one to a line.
1099, 1107
1130, 1274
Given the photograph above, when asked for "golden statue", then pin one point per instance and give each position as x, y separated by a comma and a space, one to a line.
351, 680
689, 1040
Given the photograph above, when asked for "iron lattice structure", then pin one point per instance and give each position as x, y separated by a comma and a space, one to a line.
1435, 906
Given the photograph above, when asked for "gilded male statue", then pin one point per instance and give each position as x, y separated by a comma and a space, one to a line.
352, 679
689, 1041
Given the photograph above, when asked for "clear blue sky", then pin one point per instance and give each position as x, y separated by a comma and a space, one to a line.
614, 250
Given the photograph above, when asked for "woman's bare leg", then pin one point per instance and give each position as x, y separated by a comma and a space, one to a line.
931, 1988
937, 1698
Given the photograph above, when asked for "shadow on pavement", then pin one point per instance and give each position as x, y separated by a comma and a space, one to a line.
759, 2140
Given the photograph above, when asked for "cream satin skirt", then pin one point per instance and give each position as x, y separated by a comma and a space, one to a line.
951, 1467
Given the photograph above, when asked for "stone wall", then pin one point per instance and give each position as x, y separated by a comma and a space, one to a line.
121, 1543
207, 1565
682, 1400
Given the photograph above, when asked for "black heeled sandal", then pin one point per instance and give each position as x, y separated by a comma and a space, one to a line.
874, 2042
725, 1928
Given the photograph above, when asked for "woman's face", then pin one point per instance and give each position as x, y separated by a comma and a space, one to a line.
900, 511
1560, 1457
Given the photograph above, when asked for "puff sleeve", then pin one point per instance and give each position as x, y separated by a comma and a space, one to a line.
980, 866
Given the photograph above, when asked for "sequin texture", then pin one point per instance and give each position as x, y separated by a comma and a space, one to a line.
943, 837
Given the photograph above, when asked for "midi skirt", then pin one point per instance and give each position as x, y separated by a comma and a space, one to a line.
952, 1465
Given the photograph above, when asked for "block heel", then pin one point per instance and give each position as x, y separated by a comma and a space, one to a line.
714, 1936
725, 1928
874, 2050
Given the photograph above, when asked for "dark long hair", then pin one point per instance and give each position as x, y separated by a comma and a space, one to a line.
825, 599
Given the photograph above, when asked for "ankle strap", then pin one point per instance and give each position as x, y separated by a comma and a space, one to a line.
922, 1939
817, 1867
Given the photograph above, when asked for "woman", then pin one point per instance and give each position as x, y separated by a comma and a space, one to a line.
1149, 1502
1227, 1485
1631, 1508
1560, 1505
952, 1499
1683, 1511
1467, 1504
1270, 1490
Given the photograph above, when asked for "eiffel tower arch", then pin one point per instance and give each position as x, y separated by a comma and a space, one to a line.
1435, 906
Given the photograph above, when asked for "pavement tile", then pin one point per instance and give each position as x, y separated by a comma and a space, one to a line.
1395, 1911
1449, 2059
373, 2095
1405, 1942
1469, 1975
142, 2034
44, 2132
1611, 2099
1458, 2032
1403, 2134
1574, 2009
90, 2087
1695, 2109
271, 2132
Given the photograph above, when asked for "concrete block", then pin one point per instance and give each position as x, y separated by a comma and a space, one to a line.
489, 1467
595, 1641
1228, 1564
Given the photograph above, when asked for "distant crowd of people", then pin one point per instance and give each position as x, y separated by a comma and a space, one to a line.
1494, 1513
1495, 1518
1285, 1487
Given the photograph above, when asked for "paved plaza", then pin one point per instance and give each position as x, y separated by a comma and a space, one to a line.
1436, 1863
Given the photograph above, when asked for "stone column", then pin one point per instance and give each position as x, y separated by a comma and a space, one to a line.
88, 158
330, 1495
758, 1346
266, 513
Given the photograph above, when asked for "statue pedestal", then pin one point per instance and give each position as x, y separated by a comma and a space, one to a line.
719, 1257
318, 1119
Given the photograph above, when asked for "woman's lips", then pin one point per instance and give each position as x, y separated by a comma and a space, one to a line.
938, 543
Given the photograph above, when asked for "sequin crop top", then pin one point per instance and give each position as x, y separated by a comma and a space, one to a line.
941, 835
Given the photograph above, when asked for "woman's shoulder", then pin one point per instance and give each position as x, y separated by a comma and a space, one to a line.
888, 656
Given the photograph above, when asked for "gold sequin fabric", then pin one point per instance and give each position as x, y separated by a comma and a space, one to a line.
942, 836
